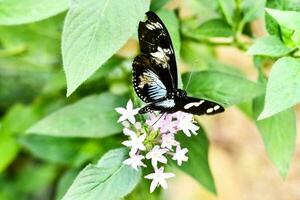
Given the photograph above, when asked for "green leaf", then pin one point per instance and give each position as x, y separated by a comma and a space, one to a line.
271, 24
227, 7
15, 12
9, 148
221, 87
205, 9
279, 135
93, 31
19, 85
57, 81
213, 28
25, 116
288, 19
283, 87
65, 182
157, 4
269, 46
109, 179
93, 116
41, 177
141, 191
53, 149
197, 166
252, 9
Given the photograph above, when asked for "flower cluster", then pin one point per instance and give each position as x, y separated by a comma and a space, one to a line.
154, 140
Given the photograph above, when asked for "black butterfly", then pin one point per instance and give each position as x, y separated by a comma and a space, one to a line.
155, 74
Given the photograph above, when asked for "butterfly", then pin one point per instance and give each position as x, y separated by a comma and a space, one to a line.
154, 73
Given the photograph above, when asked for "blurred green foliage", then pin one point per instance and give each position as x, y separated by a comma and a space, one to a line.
46, 139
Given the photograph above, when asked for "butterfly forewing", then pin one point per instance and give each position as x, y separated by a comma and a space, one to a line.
146, 82
198, 106
155, 73
155, 41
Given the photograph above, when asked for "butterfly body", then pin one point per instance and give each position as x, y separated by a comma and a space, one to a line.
155, 74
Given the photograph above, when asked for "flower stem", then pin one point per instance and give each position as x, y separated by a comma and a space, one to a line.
13, 51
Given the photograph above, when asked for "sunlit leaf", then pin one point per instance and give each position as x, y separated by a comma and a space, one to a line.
208, 29
93, 116
269, 46
14, 12
94, 30
221, 87
109, 179
228, 7
283, 87
252, 9
288, 19
279, 135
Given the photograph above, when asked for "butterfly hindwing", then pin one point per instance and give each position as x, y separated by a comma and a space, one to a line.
155, 41
198, 106
147, 84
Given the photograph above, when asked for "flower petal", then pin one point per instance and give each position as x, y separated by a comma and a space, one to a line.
153, 185
150, 176
129, 105
120, 110
127, 143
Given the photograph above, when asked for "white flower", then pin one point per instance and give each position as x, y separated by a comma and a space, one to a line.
159, 178
127, 113
136, 143
138, 125
154, 121
180, 156
135, 161
126, 124
156, 155
168, 140
128, 132
186, 125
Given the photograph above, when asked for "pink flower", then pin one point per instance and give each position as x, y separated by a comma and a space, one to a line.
168, 140
185, 123
154, 121
168, 125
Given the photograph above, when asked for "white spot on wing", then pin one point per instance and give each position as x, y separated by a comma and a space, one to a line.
161, 57
196, 104
209, 110
150, 27
157, 25
216, 107
166, 104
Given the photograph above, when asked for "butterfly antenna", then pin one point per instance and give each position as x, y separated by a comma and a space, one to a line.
191, 74
190, 77
158, 119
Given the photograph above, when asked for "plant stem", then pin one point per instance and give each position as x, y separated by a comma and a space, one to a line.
237, 43
13, 51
